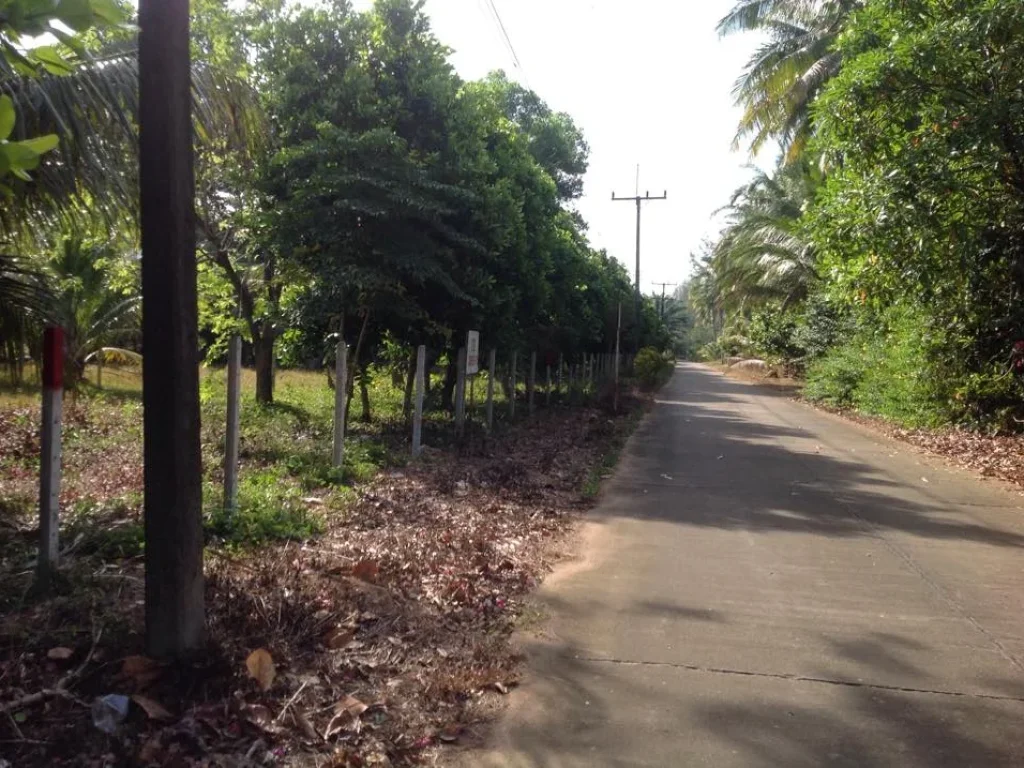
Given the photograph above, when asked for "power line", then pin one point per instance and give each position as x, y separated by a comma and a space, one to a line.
488, 14
504, 32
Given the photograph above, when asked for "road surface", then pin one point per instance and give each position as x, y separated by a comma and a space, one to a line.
766, 585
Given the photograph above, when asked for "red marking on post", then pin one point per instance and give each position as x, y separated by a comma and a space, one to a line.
53, 357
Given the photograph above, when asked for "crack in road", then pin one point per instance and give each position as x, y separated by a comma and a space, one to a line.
797, 678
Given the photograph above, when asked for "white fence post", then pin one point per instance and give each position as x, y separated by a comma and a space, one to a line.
49, 471
460, 392
492, 359
340, 398
231, 435
417, 414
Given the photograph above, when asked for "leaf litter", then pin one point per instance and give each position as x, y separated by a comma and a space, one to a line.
375, 644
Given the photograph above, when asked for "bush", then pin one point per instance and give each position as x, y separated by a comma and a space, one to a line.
887, 368
652, 368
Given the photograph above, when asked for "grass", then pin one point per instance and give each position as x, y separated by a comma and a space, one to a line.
288, 485
603, 468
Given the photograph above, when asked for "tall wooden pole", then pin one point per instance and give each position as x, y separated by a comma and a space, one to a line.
175, 615
636, 296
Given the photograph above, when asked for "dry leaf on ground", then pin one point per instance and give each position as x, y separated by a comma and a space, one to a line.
154, 709
261, 668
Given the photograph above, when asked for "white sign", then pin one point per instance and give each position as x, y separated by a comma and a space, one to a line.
472, 352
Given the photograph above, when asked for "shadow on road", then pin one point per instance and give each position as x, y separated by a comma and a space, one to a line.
760, 476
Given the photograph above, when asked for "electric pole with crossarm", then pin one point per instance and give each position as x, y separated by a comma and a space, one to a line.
638, 199
663, 287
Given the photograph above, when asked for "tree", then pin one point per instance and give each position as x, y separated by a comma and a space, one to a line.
94, 313
763, 253
788, 70
925, 206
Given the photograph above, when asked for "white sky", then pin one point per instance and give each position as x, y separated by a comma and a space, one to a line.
648, 82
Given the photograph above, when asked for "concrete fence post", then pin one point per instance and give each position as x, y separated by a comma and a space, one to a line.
492, 362
531, 382
340, 400
231, 432
49, 468
558, 388
460, 393
513, 376
417, 413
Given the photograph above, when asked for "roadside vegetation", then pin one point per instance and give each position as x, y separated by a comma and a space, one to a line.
881, 259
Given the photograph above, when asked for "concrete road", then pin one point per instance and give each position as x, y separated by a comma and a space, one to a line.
766, 585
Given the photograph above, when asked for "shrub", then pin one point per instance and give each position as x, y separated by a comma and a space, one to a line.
652, 368
888, 368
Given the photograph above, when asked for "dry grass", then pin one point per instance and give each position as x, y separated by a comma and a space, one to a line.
404, 604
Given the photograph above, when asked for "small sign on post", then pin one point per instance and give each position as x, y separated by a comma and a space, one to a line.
472, 353
49, 474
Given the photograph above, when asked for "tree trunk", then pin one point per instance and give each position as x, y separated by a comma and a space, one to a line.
450, 376
263, 350
175, 613
364, 395
409, 382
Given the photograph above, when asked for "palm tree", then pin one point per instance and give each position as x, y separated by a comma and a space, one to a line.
763, 254
94, 315
91, 177
788, 70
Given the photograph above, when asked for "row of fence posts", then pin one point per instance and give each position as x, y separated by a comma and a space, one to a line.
593, 371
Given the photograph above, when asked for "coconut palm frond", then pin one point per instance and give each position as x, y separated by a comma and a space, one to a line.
115, 356
92, 176
785, 74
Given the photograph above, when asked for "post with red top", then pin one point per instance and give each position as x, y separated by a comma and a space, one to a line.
49, 473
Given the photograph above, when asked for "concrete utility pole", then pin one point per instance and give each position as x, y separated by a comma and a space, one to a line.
661, 312
175, 617
638, 200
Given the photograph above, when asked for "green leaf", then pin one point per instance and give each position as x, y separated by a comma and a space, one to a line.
107, 10
22, 157
51, 60
7, 116
41, 144
77, 14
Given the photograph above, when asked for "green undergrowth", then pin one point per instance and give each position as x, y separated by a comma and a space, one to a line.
610, 458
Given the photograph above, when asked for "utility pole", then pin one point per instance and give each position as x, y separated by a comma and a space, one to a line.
173, 473
638, 200
661, 314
